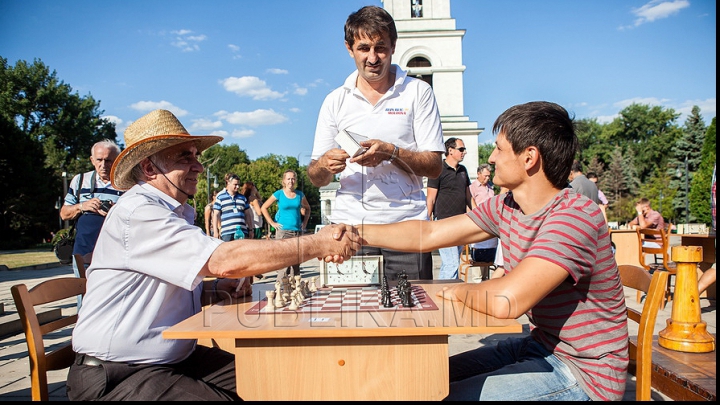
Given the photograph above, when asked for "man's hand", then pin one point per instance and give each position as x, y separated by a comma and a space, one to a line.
342, 240
243, 288
449, 293
334, 160
377, 152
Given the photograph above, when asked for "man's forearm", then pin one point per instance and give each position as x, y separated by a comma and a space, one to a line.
428, 164
230, 259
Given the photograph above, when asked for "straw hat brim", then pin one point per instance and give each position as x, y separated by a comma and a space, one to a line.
120, 173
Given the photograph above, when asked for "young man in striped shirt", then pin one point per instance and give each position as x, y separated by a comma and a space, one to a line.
560, 271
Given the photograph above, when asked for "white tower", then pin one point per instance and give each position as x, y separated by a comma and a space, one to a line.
430, 47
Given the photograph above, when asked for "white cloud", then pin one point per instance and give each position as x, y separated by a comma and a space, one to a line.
235, 50
641, 100
147, 106
277, 71
708, 109
250, 86
243, 133
300, 91
115, 120
295, 110
224, 134
606, 119
253, 118
657, 10
187, 42
205, 125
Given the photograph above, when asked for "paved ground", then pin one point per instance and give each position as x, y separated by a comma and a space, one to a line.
14, 368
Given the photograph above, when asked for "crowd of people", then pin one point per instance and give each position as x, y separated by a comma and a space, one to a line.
152, 267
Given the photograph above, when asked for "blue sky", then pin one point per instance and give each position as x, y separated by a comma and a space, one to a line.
256, 72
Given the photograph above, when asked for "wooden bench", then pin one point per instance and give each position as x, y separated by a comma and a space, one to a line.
683, 376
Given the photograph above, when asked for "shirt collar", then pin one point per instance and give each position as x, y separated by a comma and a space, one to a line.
400, 76
183, 210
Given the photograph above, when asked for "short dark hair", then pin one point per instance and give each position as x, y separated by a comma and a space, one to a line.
576, 167
373, 21
450, 143
547, 126
591, 175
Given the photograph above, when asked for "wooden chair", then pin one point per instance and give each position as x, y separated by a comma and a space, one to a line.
41, 362
641, 349
661, 255
466, 262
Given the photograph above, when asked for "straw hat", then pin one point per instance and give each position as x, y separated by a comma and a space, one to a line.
153, 132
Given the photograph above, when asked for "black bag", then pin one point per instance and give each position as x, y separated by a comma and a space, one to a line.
63, 248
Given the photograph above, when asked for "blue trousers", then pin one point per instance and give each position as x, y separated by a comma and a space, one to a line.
450, 257
516, 369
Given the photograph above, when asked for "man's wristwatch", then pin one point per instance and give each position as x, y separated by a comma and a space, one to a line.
394, 154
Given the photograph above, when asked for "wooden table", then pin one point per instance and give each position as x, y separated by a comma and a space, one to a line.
396, 355
707, 242
684, 376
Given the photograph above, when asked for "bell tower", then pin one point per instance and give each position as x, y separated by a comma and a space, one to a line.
430, 47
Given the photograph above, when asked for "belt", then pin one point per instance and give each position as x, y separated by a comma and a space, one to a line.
87, 360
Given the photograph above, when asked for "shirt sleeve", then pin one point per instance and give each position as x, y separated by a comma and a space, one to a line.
325, 129
426, 125
70, 198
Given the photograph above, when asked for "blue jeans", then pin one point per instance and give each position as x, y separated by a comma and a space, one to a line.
450, 257
516, 369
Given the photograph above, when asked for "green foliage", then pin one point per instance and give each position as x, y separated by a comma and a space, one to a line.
660, 194
47, 129
27, 213
265, 172
699, 197
484, 151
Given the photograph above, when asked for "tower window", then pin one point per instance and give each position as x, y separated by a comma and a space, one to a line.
416, 10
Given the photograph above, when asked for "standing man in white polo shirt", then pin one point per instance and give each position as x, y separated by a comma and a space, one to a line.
399, 116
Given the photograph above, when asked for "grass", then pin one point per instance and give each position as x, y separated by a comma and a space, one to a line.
27, 257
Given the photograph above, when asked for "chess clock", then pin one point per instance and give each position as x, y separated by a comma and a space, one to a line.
356, 271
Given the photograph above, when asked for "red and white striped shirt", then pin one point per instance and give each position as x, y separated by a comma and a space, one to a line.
584, 320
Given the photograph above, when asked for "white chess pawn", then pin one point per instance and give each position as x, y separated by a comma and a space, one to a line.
278, 300
293, 301
313, 285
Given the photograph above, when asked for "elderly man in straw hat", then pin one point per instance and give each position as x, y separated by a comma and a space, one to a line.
147, 275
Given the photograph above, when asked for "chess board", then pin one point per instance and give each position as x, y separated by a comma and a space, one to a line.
350, 299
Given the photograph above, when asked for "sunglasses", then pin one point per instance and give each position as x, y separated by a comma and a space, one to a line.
461, 149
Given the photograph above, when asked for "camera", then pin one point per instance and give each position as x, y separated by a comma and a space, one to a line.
105, 205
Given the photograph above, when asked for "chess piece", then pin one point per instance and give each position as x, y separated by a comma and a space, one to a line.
313, 284
407, 295
305, 289
386, 298
270, 294
293, 301
278, 300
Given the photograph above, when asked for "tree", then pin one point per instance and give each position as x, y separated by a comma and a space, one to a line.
484, 151
687, 154
649, 133
700, 186
616, 183
48, 126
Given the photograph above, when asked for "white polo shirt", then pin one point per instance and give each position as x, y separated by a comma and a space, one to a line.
143, 279
407, 116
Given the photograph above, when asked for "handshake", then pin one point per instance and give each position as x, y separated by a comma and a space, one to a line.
338, 241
